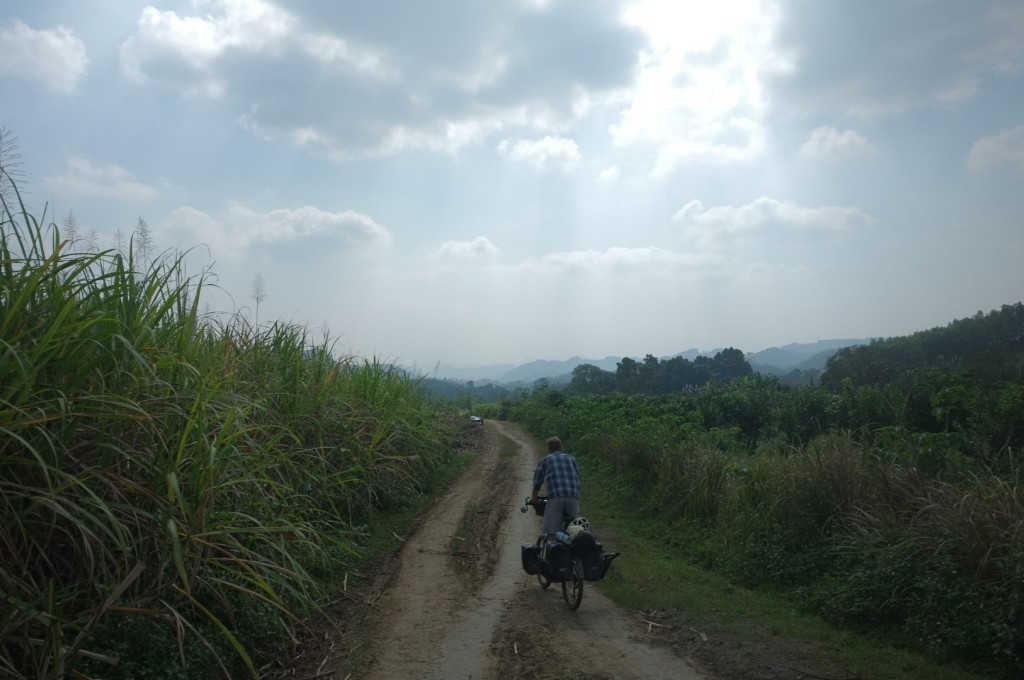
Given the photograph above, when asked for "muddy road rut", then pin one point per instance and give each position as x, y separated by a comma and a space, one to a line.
460, 607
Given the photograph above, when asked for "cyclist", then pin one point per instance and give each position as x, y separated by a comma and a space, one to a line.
559, 471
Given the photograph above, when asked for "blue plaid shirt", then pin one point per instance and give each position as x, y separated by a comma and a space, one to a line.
560, 472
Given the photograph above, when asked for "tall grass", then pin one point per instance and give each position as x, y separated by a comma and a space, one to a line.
862, 536
168, 476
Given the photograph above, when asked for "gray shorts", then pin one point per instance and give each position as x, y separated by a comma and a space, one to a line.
556, 510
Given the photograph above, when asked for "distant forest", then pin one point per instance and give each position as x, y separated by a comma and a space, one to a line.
983, 347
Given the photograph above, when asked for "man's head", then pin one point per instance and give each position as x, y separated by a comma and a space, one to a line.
554, 444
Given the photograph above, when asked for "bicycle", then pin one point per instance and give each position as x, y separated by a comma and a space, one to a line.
570, 574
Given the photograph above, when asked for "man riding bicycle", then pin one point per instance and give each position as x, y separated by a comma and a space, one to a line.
559, 471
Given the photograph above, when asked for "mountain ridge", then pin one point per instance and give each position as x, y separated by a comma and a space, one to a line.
773, 360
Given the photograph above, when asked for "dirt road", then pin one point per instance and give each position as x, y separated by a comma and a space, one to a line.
454, 603
460, 607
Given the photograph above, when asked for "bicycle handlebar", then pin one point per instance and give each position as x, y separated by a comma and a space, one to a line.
541, 500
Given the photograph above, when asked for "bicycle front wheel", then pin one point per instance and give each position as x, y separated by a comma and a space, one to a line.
572, 588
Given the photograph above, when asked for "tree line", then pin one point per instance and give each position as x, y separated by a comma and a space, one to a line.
660, 376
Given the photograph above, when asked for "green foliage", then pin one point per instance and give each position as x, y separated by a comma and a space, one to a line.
654, 376
166, 476
986, 346
880, 507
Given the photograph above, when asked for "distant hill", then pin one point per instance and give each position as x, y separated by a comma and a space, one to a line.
772, 361
996, 335
796, 356
477, 373
986, 347
535, 370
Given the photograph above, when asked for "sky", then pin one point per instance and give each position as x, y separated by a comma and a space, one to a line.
458, 182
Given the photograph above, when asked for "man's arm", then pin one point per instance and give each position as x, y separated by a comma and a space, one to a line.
538, 481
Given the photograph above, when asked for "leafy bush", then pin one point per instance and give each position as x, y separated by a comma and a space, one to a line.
901, 533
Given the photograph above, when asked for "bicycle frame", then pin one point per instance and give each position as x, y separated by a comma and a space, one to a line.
572, 587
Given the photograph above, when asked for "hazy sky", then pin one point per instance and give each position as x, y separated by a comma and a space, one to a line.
466, 181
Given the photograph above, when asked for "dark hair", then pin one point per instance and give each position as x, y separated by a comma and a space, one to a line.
554, 444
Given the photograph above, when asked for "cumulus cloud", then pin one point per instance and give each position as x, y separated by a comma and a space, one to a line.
883, 59
283, 231
55, 57
735, 140
464, 250
697, 95
829, 143
347, 80
609, 175
1003, 149
548, 153
724, 223
184, 50
635, 262
82, 178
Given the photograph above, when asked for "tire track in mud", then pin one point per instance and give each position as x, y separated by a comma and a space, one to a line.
472, 614
441, 615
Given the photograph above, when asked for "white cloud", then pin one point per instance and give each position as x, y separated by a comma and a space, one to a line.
722, 223
636, 262
184, 49
244, 27
349, 81
609, 175
478, 247
55, 57
829, 143
286, 224
284, 231
335, 51
1005, 148
870, 60
697, 94
111, 181
735, 140
549, 153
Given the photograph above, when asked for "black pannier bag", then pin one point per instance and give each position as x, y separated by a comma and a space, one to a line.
606, 561
531, 558
557, 566
591, 553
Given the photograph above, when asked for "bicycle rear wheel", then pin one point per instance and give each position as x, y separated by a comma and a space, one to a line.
572, 589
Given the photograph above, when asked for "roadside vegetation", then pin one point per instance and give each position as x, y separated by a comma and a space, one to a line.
886, 500
180, 491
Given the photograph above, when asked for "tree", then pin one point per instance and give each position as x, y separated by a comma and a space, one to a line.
680, 374
650, 375
259, 294
627, 375
589, 379
730, 364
